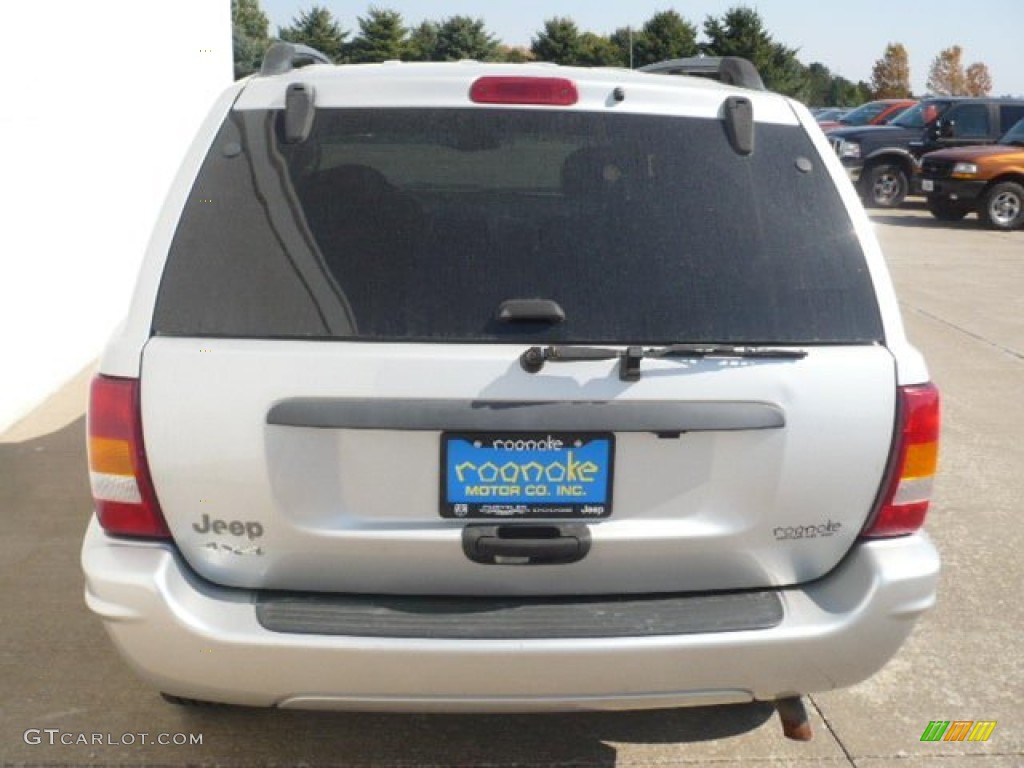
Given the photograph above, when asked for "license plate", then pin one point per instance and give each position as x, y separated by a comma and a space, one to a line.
927, 185
520, 475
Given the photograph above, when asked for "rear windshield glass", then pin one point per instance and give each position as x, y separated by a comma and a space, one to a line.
416, 225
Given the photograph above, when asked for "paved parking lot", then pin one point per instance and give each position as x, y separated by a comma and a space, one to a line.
962, 290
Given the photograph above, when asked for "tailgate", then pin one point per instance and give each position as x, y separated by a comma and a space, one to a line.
321, 465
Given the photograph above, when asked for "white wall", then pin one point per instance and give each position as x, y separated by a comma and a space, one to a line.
95, 115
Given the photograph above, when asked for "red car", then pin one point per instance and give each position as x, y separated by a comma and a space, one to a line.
873, 113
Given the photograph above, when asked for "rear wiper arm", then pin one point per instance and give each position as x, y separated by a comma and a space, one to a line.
533, 359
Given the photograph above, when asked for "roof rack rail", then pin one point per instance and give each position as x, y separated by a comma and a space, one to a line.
731, 70
284, 57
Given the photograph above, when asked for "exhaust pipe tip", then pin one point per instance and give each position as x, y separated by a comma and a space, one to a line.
793, 715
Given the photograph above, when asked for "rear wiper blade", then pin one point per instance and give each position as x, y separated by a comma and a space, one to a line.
698, 351
533, 359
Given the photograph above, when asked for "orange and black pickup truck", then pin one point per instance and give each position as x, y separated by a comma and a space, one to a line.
989, 180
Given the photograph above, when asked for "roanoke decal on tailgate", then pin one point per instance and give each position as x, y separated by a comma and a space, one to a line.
526, 475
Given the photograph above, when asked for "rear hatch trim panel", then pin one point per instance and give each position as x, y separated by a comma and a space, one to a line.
500, 415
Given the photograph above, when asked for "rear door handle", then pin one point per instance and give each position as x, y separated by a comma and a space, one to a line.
525, 544
530, 310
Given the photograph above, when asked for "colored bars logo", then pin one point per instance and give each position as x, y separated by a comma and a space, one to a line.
958, 730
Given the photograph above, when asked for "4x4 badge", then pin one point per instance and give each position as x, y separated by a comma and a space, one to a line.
250, 549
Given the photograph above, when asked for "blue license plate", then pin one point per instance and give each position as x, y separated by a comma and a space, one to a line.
517, 475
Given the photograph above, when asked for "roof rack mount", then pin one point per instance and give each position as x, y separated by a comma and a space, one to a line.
284, 57
731, 70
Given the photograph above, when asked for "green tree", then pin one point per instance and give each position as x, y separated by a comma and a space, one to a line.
382, 37
824, 88
819, 84
624, 39
890, 77
790, 78
250, 32
558, 42
462, 37
250, 19
844, 93
666, 35
248, 54
317, 29
600, 51
741, 32
422, 43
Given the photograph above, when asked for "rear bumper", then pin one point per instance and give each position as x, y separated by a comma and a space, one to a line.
193, 639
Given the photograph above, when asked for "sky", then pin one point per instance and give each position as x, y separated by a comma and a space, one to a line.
848, 36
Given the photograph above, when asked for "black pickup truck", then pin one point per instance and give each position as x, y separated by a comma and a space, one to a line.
883, 160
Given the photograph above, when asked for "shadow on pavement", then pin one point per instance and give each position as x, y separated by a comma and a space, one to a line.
926, 222
471, 740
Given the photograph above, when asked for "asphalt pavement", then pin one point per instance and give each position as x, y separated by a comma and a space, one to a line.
962, 292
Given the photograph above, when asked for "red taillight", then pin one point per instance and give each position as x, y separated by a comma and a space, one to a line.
118, 473
909, 491
543, 91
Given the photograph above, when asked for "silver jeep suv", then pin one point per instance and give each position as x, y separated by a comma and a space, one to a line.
481, 387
